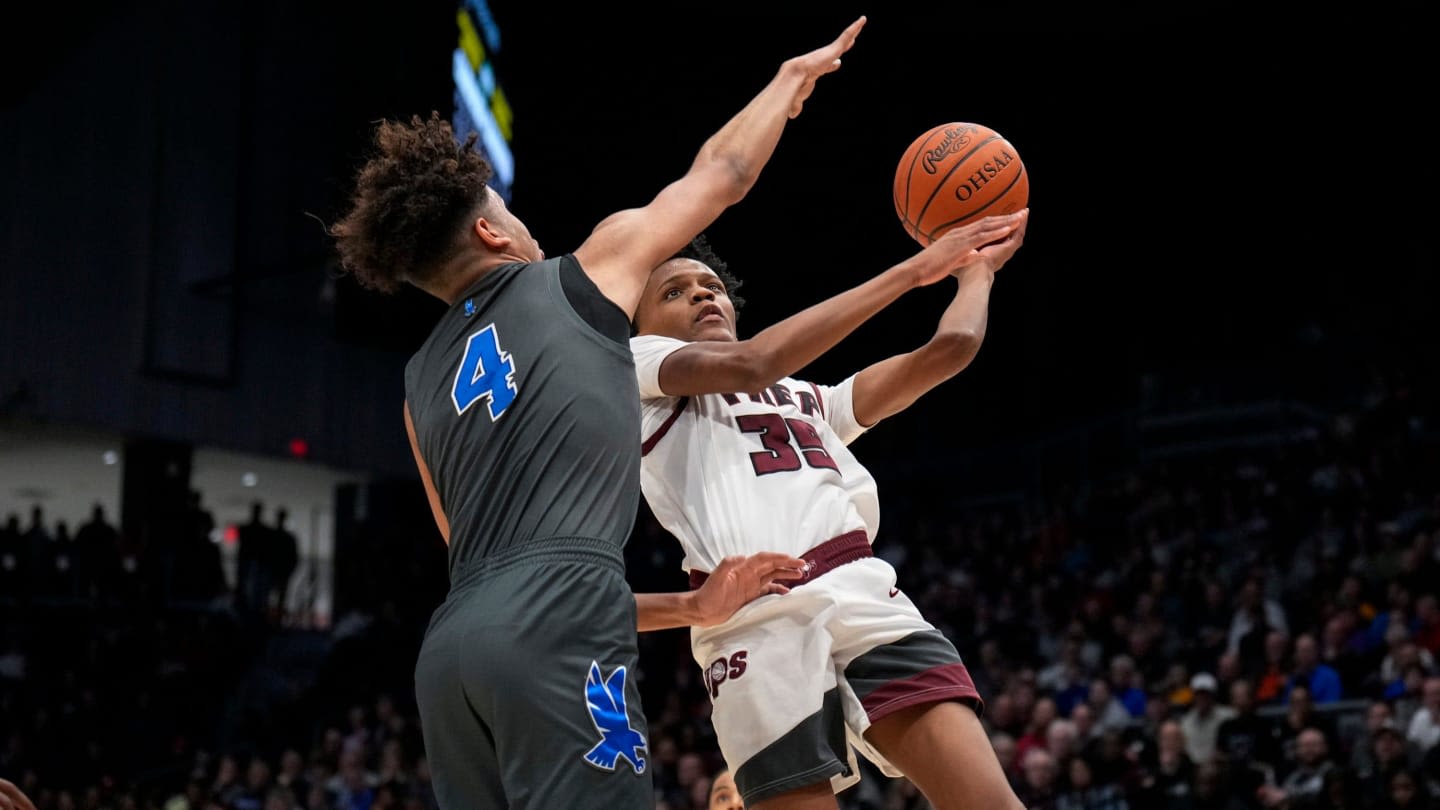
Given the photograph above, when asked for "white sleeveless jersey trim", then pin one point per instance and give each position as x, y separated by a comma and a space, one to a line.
738, 474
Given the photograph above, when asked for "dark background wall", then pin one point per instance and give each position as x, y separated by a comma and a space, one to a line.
1233, 197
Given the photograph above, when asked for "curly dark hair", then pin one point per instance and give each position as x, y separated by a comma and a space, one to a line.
411, 200
699, 249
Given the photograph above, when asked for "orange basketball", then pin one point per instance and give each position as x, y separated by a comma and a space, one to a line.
955, 174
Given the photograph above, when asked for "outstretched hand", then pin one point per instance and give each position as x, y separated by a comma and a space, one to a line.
820, 61
12, 799
738, 580
968, 244
995, 254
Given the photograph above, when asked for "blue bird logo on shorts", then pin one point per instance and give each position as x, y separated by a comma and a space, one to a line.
606, 700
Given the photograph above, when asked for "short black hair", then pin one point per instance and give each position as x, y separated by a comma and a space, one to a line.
699, 250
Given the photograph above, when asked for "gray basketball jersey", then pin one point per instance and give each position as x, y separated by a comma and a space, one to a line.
527, 417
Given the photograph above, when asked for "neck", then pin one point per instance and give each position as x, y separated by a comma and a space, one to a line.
460, 274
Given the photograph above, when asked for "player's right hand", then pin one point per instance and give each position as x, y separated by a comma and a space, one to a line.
961, 246
12, 799
818, 62
736, 581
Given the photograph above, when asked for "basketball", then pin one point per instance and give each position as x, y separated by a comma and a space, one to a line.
955, 174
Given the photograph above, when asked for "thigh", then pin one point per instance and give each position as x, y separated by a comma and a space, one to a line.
926, 741
777, 709
553, 668
459, 745
888, 656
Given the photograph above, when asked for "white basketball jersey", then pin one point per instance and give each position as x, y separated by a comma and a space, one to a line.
741, 473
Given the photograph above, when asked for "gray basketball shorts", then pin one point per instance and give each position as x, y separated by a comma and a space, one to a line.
526, 683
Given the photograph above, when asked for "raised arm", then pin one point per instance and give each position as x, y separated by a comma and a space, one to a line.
711, 367
892, 385
622, 250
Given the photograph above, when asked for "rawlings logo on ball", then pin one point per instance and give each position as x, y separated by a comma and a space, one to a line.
955, 138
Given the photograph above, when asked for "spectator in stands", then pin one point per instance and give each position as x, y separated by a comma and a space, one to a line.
1322, 681
1424, 729
1082, 793
1306, 780
1126, 685
1038, 788
1202, 722
1246, 736
1388, 755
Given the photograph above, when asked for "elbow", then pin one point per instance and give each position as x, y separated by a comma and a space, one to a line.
753, 369
955, 348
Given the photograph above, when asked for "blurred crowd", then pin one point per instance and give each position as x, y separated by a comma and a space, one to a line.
1254, 626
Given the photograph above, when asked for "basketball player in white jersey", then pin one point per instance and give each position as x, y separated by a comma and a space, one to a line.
844, 659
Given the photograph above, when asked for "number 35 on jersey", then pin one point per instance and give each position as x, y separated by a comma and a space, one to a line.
486, 372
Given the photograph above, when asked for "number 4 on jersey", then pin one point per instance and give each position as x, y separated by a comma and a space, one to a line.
486, 372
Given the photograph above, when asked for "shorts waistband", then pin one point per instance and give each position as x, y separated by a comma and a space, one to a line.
604, 553
822, 559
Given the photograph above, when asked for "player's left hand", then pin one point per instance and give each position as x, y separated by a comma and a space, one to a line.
738, 580
993, 256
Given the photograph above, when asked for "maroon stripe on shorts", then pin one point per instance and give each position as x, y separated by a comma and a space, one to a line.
947, 682
650, 443
827, 556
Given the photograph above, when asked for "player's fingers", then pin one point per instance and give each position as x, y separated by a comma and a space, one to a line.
775, 588
847, 37
12, 799
778, 558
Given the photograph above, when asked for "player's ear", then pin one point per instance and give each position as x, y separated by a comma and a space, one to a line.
492, 237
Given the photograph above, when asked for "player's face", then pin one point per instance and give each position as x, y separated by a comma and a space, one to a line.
684, 299
724, 795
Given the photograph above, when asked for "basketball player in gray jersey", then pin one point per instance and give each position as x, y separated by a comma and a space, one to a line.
524, 418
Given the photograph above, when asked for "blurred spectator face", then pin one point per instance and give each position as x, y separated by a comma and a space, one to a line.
1335, 631
1004, 713
1376, 715
1396, 633
1084, 719
1060, 739
1306, 656
700, 791
1310, 747
1122, 671
723, 793
1427, 609
1431, 696
1387, 747
1004, 746
1241, 698
1228, 667
1039, 770
1171, 739
258, 775
1274, 647
1099, 695
1402, 789
228, 772
1043, 714
278, 800
688, 768
291, 763
1157, 709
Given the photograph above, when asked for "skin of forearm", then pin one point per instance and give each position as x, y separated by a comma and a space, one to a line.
747, 140
795, 342
663, 611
